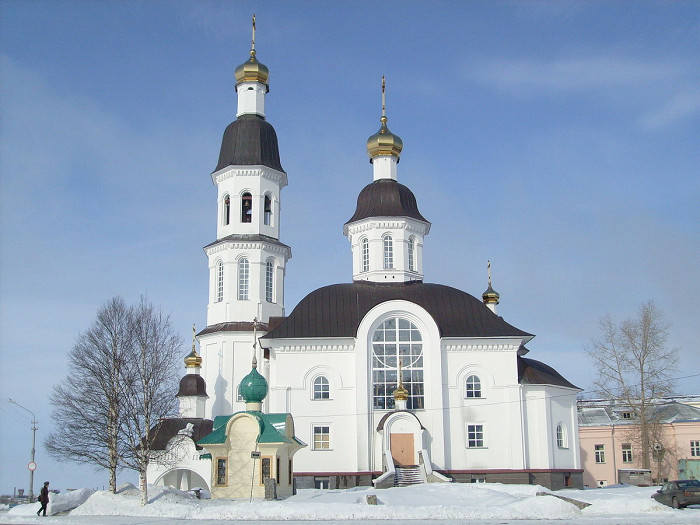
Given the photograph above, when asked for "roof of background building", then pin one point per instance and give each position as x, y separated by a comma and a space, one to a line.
608, 414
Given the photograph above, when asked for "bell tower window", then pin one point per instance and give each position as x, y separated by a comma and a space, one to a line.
267, 211
227, 210
365, 254
411, 253
388, 252
219, 282
269, 280
243, 279
246, 207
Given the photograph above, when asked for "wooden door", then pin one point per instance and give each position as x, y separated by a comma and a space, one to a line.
402, 449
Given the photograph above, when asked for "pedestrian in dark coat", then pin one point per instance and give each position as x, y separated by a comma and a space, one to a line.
43, 498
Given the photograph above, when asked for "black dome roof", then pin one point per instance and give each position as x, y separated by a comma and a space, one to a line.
249, 140
338, 309
192, 385
386, 198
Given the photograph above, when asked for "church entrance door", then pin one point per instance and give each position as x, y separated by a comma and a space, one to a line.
402, 449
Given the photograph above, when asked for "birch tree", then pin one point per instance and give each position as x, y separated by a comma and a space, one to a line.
634, 368
149, 385
88, 405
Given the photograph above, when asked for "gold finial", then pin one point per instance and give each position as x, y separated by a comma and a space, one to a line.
488, 266
194, 331
400, 394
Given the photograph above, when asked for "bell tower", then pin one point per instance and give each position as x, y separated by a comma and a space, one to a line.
247, 261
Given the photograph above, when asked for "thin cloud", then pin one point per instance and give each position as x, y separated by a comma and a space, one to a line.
573, 74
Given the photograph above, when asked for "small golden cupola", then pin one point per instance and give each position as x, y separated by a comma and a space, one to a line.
490, 296
251, 70
384, 142
193, 359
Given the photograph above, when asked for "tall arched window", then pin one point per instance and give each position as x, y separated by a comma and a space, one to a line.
321, 388
246, 207
396, 339
411, 253
388, 252
269, 280
243, 278
219, 282
364, 243
227, 210
473, 386
267, 211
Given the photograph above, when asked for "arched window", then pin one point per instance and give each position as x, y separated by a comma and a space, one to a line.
243, 278
269, 280
473, 386
219, 282
388, 252
227, 210
411, 253
396, 339
267, 211
365, 254
321, 388
562, 436
246, 207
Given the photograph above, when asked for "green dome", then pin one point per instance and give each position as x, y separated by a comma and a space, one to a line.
253, 387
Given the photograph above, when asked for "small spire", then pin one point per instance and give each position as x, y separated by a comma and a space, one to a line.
383, 119
193, 359
255, 332
490, 296
252, 46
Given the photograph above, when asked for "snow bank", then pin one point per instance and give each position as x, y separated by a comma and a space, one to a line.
432, 501
57, 503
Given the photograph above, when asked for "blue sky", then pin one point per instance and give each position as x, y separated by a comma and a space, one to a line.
560, 140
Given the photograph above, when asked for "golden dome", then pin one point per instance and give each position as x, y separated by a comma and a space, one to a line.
400, 394
384, 142
252, 70
193, 359
490, 296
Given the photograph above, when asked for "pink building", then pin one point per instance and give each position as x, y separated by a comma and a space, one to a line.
611, 449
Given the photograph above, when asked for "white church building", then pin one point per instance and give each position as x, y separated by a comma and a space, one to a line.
470, 406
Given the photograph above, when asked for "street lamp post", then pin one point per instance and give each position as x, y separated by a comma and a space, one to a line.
31, 464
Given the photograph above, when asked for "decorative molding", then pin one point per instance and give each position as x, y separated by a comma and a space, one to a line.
404, 223
471, 347
264, 172
248, 245
328, 347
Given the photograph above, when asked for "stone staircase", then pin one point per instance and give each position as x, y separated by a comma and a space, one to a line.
408, 475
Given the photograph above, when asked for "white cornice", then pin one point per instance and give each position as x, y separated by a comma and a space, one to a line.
265, 172
388, 223
248, 245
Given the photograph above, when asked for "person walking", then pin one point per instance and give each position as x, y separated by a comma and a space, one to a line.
43, 498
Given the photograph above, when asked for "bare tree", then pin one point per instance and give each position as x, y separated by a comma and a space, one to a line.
87, 405
634, 368
149, 378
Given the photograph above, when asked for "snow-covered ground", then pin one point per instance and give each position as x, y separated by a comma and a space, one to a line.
451, 502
